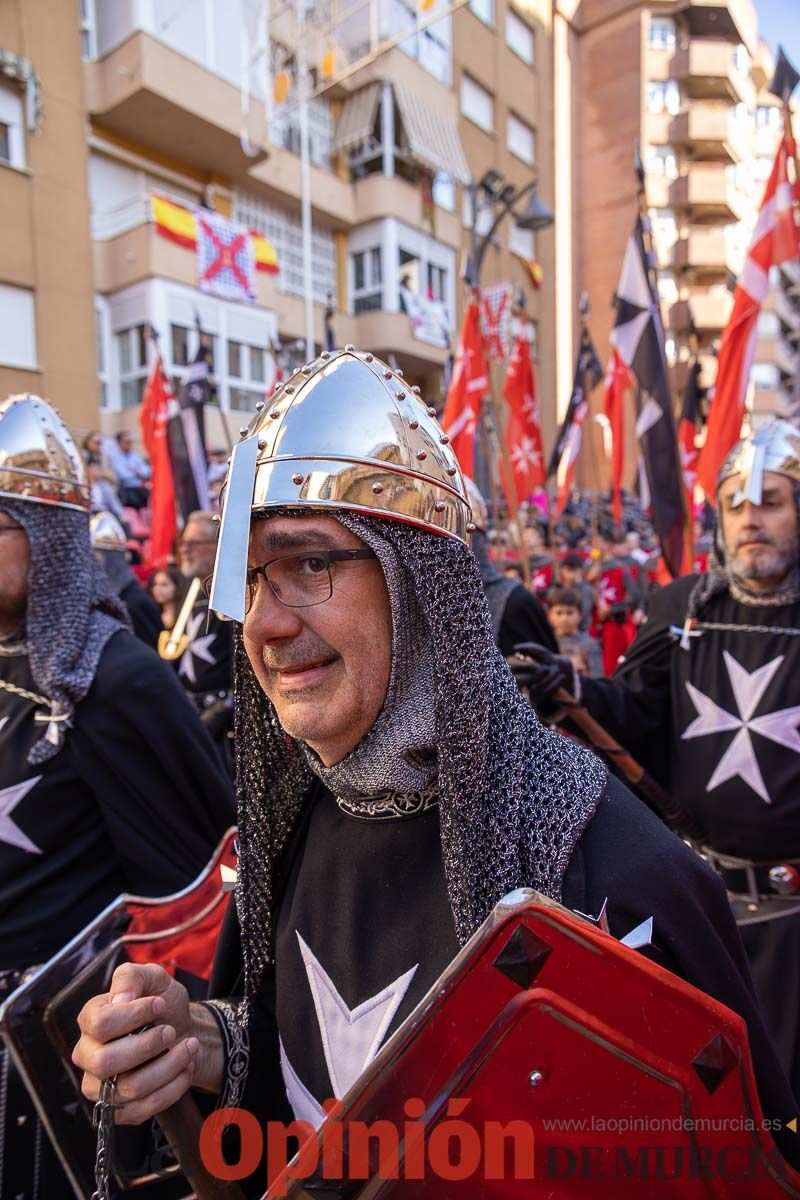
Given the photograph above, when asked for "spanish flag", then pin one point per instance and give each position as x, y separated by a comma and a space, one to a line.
178, 223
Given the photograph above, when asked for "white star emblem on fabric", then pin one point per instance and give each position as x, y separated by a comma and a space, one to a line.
525, 454
539, 581
688, 465
10, 833
740, 759
350, 1037
197, 647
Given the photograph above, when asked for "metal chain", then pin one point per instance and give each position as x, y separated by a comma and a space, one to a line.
103, 1122
18, 691
730, 628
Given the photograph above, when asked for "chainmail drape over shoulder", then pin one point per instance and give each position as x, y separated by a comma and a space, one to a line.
71, 612
514, 797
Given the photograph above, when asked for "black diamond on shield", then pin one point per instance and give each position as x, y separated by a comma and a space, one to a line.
715, 1063
522, 957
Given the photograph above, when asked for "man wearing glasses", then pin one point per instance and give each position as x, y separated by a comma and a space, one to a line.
393, 784
108, 782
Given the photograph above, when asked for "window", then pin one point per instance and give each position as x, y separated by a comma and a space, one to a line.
430, 47
285, 131
520, 139
18, 327
663, 96
284, 230
484, 10
661, 160
88, 30
742, 61
437, 283
662, 33
485, 217
521, 241
12, 127
179, 337
765, 375
444, 192
131, 364
520, 37
667, 287
367, 277
100, 326
246, 376
767, 117
477, 104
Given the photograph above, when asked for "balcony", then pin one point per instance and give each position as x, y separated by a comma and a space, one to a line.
390, 333
708, 314
657, 191
705, 131
731, 19
706, 71
377, 197
143, 89
707, 194
705, 252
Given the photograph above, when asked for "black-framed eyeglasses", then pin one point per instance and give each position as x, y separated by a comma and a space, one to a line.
298, 580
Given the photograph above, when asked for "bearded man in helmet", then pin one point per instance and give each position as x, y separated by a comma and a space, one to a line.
108, 782
392, 783
706, 699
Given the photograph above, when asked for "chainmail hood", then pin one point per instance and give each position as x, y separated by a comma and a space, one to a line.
514, 797
71, 613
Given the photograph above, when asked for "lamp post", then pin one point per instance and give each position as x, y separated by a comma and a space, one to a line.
500, 198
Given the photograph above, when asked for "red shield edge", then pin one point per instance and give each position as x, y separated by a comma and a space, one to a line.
544, 1018
38, 1022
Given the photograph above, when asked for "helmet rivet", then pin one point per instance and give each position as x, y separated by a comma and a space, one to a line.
387, 374
452, 470
369, 357
243, 431
275, 414
399, 372
298, 478
400, 395
471, 526
415, 390
422, 454
431, 411
260, 406
306, 371
444, 439
440, 506
377, 488
289, 390
216, 519
325, 354
413, 424
349, 348
262, 445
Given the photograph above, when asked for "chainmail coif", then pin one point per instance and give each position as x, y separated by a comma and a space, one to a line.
71, 612
514, 797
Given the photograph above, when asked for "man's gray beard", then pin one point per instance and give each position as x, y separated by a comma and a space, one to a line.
776, 566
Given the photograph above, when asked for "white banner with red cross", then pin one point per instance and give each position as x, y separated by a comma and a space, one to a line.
226, 262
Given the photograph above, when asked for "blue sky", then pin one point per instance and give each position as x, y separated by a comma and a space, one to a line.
779, 21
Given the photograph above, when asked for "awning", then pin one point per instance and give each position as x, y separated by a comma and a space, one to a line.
432, 137
357, 118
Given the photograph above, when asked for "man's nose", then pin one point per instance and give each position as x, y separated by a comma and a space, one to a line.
268, 620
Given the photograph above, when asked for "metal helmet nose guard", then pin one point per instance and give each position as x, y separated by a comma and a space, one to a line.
39, 461
345, 432
775, 446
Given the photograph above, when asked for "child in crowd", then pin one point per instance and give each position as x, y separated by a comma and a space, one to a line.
564, 614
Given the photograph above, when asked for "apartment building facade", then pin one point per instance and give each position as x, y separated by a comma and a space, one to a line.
693, 97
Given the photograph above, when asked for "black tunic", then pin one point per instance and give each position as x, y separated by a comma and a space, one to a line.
717, 725
206, 664
144, 613
136, 800
364, 927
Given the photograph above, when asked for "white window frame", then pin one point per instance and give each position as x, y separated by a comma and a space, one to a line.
661, 161
105, 365
246, 381
470, 87
392, 235
21, 349
12, 115
518, 134
135, 374
666, 39
520, 35
88, 13
372, 287
663, 95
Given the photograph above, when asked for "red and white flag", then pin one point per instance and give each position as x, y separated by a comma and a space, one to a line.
524, 427
565, 472
619, 381
468, 386
496, 303
776, 239
153, 418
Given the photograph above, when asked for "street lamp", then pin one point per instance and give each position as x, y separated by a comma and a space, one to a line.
500, 198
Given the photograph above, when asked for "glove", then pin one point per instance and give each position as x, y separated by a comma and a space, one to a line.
542, 672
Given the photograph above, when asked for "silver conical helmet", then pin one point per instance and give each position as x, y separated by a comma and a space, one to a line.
106, 532
774, 446
345, 432
38, 459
